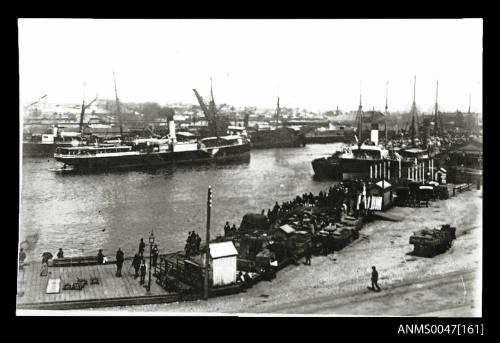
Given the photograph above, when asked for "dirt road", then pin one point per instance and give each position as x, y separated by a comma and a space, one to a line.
421, 297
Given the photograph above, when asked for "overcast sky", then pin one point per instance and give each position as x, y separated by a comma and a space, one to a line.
313, 64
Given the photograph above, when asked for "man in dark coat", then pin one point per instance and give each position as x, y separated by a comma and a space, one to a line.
142, 246
156, 252
137, 264
226, 229
60, 253
375, 279
308, 255
119, 262
143, 271
100, 257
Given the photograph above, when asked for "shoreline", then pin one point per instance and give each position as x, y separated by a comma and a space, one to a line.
384, 244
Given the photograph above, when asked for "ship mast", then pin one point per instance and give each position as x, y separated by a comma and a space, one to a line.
360, 117
414, 129
278, 112
436, 108
118, 108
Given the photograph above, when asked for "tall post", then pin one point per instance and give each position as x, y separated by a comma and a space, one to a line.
207, 254
409, 173
389, 171
399, 168
371, 174
386, 112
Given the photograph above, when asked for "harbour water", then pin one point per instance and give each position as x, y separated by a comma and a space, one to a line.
82, 213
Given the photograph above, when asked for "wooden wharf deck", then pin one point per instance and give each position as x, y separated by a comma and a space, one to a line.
111, 290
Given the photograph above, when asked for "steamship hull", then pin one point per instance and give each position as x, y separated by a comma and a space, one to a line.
38, 149
327, 168
139, 159
279, 138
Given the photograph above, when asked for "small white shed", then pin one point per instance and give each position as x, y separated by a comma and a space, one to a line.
223, 260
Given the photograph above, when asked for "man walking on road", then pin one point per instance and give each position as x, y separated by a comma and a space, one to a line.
375, 279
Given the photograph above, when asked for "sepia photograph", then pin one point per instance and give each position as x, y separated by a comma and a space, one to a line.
250, 167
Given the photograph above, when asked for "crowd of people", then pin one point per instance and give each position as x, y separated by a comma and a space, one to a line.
342, 196
192, 246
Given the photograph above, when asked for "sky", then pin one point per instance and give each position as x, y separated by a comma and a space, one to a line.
312, 64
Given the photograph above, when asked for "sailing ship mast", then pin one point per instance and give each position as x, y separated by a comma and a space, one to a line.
414, 128
360, 118
278, 112
118, 108
436, 108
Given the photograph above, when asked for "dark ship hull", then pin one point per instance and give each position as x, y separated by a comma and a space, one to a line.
279, 138
38, 149
327, 168
137, 159
331, 137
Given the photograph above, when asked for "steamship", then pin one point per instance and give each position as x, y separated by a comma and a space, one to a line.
152, 152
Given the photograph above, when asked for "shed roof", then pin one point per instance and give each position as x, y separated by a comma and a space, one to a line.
287, 228
383, 184
222, 249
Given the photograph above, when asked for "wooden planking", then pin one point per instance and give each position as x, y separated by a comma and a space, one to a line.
110, 288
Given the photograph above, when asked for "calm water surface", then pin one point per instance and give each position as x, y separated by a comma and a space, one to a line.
82, 213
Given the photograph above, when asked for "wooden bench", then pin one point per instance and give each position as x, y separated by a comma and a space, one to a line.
78, 261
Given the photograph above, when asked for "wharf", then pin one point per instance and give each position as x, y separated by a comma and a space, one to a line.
111, 290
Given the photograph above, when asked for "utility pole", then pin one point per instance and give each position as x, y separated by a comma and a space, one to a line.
207, 239
386, 111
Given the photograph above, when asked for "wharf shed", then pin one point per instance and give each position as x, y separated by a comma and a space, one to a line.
223, 262
379, 196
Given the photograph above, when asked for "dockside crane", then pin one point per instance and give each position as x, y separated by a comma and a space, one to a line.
210, 111
82, 113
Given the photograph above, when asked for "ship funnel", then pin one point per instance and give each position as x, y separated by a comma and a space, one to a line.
374, 134
171, 129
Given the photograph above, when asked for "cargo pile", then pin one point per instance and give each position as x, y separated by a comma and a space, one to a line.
428, 243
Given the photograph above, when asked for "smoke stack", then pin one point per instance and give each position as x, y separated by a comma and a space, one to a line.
171, 129
374, 134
